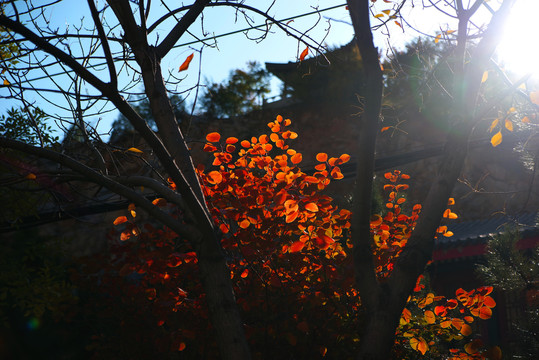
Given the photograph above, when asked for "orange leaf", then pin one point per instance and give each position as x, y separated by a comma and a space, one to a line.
419, 345
304, 53
245, 273
322, 157
508, 124
30, 176
135, 150
489, 302
120, 220
297, 246
245, 224
344, 158
534, 97
430, 318
215, 177
186, 63
311, 207
496, 139
385, 128
213, 137
182, 346
525, 119
466, 330
159, 202
231, 140
296, 158
451, 201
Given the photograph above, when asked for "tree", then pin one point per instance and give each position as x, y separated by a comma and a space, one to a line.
516, 271
285, 242
383, 300
243, 92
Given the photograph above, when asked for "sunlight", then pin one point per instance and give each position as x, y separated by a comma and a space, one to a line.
519, 51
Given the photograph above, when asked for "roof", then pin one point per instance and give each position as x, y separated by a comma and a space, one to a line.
470, 237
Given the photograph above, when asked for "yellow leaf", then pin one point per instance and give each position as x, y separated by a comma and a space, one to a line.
511, 110
485, 77
378, 16
508, 125
496, 139
450, 31
525, 119
386, 12
493, 125
135, 150
6, 83
438, 37
534, 97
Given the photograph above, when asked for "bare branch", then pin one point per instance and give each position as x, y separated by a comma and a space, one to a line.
181, 27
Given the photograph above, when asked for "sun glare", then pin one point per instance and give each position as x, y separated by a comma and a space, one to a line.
518, 51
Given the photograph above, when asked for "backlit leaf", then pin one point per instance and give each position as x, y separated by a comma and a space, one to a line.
508, 124
485, 77
213, 137
185, 64
297, 246
322, 157
311, 207
419, 345
6, 82
525, 119
303, 54
437, 39
215, 177
379, 15
120, 220
466, 330
534, 97
135, 150
296, 158
159, 202
493, 125
245, 273
496, 139
384, 128
430, 318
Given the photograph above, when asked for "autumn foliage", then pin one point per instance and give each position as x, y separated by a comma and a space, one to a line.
286, 244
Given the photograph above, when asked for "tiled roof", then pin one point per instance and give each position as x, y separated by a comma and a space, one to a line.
480, 230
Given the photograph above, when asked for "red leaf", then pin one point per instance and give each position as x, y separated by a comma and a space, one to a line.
186, 63
297, 246
304, 53
213, 137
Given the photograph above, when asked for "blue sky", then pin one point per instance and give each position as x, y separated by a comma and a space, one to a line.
330, 28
